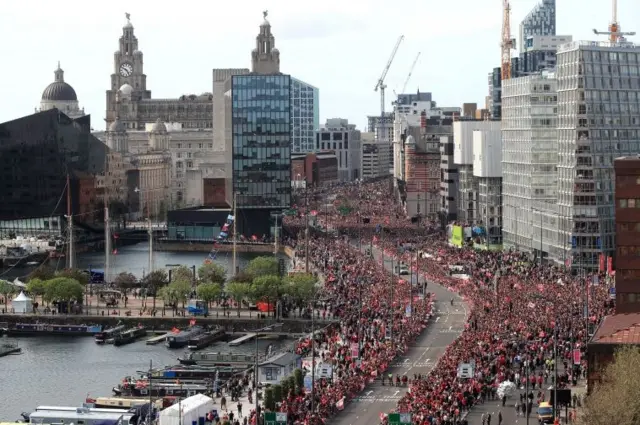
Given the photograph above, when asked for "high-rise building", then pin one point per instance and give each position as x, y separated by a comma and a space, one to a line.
448, 181
344, 139
258, 122
529, 156
627, 193
541, 20
598, 106
539, 53
495, 94
305, 115
376, 161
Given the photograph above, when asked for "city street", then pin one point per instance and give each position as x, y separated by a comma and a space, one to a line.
445, 326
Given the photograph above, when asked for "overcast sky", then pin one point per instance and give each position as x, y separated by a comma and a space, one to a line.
339, 46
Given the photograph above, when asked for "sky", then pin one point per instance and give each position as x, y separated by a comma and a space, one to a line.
339, 46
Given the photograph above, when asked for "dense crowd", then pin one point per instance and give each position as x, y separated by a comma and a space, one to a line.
517, 308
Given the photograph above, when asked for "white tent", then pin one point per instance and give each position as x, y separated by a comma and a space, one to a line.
22, 303
187, 411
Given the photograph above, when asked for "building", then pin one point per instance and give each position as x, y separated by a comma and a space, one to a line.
495, 94
487, 169
448, 181
469, 110
344, 139
129, 100
463, 155
278, 367
627, 213
529, 159
382, 127
376, 161
258, 120
598, 91
305, 115
541, 20
61, 96
539, 53
37, 153
314, 169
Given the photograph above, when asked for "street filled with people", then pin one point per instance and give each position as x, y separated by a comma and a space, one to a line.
521, 311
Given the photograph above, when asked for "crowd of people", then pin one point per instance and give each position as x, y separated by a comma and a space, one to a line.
521, 312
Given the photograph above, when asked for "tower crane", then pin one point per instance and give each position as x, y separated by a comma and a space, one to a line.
381, 85
614, 33
413, 65
508, 43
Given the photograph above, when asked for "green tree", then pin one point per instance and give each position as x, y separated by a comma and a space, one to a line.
182, 290
617, 395
75, 274
292, 383
125, 281
209, 292
299, 377
242, 277
301, 287
43, 273
284, 384
6, 289
277, 393
182, 273
267, 288
168, 295
64, 289
262, 266
238, 291
154, 281
269, 400
212, 273
37, 287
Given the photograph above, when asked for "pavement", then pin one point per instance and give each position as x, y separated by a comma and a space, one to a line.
445, 326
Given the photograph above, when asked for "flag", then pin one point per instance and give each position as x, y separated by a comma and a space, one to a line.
601, 263
115, 251
314, 213
609, 266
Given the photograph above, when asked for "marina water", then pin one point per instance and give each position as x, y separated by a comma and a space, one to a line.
63, 371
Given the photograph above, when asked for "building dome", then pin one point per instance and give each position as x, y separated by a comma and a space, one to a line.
159, 127
126, 89
59, 90
117, 126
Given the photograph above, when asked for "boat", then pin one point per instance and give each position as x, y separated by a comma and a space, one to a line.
141, 388
126, 402
218, 359
181, 338
81, 415
197, 372
25, 329
7, 348
129, 336
201, 341
102, 337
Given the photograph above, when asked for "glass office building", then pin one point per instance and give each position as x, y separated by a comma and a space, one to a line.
305, 115
261, 136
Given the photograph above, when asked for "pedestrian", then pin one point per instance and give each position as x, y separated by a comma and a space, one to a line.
500, 417
239, 409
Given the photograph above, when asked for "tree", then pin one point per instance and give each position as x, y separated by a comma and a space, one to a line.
299, 377
6, 289
75, 274
267, 288
154, 281
301, 287
43, 273
277, 393
182, 273
262, 266
238, 291
212, 273
125, 281
37, 287
618, 394
284, 384
181, 289
168, 295
242, 277
209, 292
269, 400
64, 289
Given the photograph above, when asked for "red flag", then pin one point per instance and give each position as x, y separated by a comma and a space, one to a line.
610, 265
314, 212
601, 263
116, 236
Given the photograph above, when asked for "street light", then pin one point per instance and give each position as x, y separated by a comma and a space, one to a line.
257, 332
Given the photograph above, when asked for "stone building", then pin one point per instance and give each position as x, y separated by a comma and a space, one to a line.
62, 96
129, 100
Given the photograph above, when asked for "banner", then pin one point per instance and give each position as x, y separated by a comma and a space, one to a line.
456, 236
577, 356
610, 266
601, 263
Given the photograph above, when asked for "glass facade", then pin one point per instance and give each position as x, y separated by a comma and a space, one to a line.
261, 137
305, 115
540, 21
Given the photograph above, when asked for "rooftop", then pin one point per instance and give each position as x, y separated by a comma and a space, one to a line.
618, 329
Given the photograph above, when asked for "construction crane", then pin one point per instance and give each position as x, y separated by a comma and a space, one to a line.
381, 85
508, 43
614, 33
413, 65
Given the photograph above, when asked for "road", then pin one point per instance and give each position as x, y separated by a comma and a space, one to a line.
446, 325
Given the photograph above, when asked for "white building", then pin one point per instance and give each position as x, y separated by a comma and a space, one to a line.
529, 156
463, 157
487, 169
305, 115
376, 161
345, 140
62, 96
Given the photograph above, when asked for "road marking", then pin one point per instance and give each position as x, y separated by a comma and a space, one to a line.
406, 360
437, 318
369, 392
396, 393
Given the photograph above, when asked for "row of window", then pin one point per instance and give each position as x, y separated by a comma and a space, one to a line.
629, 203
624, 251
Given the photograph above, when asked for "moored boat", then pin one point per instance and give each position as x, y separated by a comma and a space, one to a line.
201, 341
102, 337
141, 388
181, 338
129, 336
25, 329
212, 359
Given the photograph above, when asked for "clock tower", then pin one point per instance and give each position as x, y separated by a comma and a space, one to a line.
128, 73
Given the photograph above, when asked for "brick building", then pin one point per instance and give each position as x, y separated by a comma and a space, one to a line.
314, 169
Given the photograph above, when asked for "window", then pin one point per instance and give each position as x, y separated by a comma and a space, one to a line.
631, 203
622, 203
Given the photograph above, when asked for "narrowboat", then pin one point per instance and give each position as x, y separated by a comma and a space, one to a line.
181, 338
141, 388
25, 329
201, 341
102, 337
129, 336
218, 359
